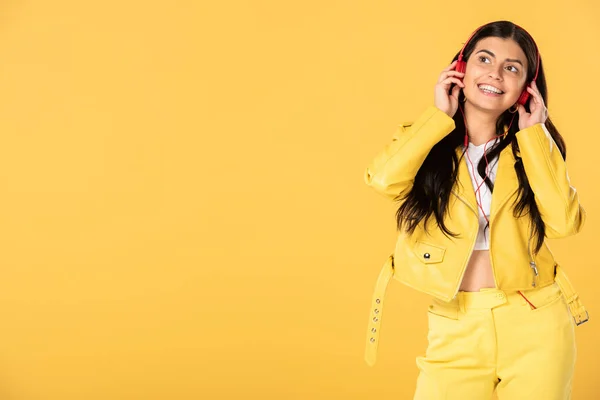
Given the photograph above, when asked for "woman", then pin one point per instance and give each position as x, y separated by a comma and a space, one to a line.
481, 181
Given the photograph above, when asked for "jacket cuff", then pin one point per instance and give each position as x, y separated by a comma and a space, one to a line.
436, 117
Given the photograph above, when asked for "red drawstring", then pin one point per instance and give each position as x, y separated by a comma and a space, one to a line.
532, 306
477, 192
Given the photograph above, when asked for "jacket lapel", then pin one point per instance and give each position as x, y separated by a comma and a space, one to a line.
464, 188
505, 185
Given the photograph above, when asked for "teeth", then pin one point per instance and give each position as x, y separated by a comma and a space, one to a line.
491, 89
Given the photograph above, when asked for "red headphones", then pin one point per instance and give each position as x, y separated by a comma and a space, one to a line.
461, 66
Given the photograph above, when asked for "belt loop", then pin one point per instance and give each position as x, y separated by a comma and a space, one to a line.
461, 303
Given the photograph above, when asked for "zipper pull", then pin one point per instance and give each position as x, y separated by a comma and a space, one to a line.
535, 272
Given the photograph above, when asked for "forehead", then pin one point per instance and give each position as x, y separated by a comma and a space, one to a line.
502, 48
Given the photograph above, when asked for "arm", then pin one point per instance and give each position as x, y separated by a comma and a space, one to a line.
393, 169
547, 173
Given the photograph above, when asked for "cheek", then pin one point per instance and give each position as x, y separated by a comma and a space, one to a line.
475, 71
470, 81
472, 76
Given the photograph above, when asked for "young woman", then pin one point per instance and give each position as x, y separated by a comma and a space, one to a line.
481, 180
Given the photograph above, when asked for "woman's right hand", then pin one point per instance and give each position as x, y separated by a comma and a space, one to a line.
445, 101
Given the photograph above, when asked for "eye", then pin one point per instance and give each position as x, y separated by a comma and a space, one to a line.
515, 69
481, 58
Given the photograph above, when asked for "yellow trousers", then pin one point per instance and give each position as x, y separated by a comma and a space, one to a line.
492, 340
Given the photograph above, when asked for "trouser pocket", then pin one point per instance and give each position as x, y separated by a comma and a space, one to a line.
439, 308
544, 298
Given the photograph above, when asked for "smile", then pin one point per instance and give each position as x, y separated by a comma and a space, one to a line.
490, 90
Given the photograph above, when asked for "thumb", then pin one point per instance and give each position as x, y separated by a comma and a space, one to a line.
455, 91
521, 110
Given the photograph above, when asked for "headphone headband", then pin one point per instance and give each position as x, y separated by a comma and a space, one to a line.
537, 52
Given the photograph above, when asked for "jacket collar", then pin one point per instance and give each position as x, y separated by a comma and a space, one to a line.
505, 185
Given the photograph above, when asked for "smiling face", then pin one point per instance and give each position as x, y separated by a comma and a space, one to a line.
496, 74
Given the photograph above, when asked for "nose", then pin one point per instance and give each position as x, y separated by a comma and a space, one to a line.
496, 74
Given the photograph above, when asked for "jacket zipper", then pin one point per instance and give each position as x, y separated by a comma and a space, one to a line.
532, 263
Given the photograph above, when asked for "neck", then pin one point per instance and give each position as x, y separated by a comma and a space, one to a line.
481, 124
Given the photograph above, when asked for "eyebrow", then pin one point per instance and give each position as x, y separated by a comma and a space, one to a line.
493, 55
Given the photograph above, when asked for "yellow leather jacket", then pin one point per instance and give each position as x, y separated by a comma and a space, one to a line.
435, 264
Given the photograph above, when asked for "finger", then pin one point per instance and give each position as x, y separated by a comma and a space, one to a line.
455, 91
446, 74
533, 95
534, 90
534, 87
451, 72
537, 97
449, 67
446, 83
450, 80
538, 108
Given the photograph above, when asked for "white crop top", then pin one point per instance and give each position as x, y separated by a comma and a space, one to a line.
484, 196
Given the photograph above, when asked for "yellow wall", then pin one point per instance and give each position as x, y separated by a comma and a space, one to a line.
182, 206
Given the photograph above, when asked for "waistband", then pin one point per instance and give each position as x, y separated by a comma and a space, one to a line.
488, 298
484, 298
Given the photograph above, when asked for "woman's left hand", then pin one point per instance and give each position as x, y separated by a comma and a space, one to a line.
538, 111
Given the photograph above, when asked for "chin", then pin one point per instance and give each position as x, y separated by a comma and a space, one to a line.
486, 106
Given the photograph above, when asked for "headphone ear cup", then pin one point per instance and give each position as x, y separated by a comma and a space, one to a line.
523, 98
461, 66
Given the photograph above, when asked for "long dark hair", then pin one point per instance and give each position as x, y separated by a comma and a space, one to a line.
433, 182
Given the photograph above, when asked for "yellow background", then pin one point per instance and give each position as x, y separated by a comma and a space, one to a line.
183, 211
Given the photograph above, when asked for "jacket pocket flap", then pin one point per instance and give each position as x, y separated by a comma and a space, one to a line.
429, 253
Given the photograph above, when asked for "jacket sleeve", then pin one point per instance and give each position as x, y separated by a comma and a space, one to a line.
548, 177
394, 168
